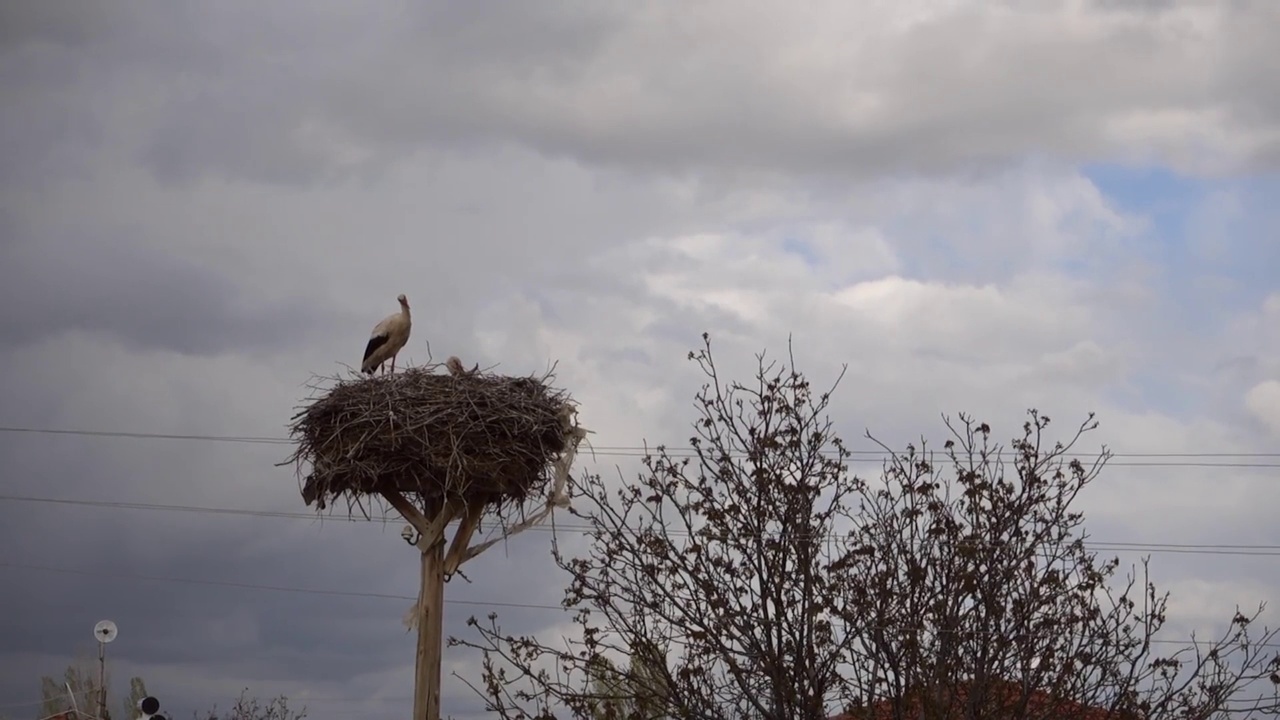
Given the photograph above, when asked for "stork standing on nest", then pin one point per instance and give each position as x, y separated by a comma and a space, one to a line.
388, 337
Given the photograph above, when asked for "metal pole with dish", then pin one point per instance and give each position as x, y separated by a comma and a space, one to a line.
104, 632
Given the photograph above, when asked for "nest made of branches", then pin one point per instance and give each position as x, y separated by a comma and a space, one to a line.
471, 436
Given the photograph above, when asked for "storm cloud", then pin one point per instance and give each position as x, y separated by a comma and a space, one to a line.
976, 206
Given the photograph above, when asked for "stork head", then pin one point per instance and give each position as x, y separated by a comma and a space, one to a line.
404, 301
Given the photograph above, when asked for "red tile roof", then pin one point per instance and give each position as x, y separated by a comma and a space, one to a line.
1039, 704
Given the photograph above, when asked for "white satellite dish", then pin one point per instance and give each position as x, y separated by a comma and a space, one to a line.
105, 631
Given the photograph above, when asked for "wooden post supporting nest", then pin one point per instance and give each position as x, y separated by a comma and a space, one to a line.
437, 565
362, 434
426, 687
428, 613
430, 607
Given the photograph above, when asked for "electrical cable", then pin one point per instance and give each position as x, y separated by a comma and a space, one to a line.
861, 456
346, 593
258, 586
1154, 547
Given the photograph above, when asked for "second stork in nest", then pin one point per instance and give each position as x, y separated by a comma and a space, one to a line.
388, 337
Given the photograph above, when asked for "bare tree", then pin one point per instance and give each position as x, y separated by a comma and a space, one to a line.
978, 597
756, 578
712, 567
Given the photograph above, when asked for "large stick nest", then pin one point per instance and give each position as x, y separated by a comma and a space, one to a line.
468, 437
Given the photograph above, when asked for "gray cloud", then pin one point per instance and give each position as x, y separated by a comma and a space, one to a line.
203, 204
136, 296
274, 100
628, 87
62, 22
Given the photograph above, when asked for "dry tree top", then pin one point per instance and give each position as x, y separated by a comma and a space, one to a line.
468, 436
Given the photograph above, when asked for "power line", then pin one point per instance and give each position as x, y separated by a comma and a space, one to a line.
304, 700
1159, 547
149, 436
1161, 458
351, 593
257, 586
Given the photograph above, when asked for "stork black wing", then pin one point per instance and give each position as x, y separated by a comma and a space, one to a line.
375, 342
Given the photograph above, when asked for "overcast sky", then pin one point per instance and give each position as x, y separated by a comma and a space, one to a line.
978, 205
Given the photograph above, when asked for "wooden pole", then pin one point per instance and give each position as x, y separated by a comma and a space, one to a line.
426, 696
434, 624
430, 608
429, 611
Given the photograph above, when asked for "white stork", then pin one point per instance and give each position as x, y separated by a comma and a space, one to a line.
386, 340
